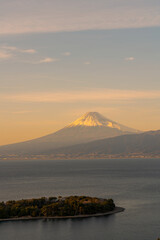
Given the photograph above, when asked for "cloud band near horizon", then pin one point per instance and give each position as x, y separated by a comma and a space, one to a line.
80, 96
53, 16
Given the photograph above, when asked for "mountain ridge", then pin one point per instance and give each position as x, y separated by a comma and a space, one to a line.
142, 145
75, 133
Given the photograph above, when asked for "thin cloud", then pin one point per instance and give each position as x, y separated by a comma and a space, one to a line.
10, 48
66, 54
81, 96
8, 52
129, 59
87, 63
15, 49
28, 51
48, 60
59, 16
5, 55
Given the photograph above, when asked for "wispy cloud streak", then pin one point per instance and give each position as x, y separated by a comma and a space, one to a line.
8, 52
48, 60
66, 54
129, 59
15, 49
5, 55
51, 16
80, 96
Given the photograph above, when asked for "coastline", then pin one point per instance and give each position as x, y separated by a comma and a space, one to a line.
86, 157
116, 210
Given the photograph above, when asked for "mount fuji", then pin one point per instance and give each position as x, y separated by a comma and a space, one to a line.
89, 127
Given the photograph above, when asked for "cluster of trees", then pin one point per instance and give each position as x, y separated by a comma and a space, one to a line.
49, 207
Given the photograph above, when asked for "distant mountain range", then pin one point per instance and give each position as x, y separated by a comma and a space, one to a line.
144, 145
90, 136
89, 127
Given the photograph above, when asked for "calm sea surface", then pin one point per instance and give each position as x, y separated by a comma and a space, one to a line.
133, 184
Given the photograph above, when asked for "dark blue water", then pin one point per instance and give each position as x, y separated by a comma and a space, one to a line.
133, 184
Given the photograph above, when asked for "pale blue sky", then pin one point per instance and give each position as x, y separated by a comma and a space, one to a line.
59, 59
107, 53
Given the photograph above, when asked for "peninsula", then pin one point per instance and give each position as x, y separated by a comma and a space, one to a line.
53, 207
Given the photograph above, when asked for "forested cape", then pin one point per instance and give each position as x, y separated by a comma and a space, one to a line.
53, 206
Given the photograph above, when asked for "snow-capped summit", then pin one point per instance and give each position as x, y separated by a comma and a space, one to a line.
95, 119
89, 127
91, 119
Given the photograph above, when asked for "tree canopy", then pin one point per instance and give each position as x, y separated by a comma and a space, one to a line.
53, 206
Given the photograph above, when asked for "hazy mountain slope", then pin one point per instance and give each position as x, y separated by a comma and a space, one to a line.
89, 127
144, 144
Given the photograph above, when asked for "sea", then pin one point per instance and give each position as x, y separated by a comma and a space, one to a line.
134, 184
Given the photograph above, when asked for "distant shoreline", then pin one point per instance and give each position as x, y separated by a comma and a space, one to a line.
116, 210
52, 158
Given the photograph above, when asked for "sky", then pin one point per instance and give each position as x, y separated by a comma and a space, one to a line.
60, 59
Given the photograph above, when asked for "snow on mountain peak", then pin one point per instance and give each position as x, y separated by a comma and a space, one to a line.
94, 119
